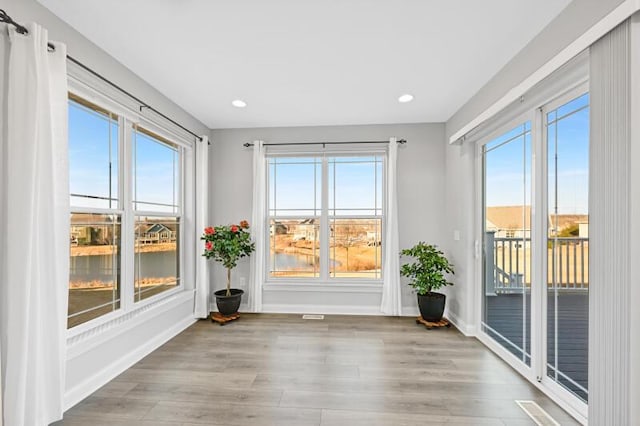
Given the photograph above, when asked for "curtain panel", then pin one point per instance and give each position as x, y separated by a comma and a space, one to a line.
201, 308
258, 226
610, 185
35, 231
391, 292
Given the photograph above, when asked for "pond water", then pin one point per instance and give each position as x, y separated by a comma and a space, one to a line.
101, 267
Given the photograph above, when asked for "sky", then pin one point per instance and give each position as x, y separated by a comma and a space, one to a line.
508, 166
358, 183
93, 145
295, 183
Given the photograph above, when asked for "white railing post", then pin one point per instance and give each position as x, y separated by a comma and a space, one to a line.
489, 264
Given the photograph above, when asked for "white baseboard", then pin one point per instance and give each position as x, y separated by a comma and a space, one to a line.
108, 373
331, 309
462, 326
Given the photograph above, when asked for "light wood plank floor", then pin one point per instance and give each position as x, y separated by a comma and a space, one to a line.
267, 369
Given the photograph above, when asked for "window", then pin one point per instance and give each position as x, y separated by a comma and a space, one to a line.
157, 214
325, 217
125, 221
95, 275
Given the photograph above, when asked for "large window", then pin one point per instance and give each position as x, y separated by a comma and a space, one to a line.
125, 221
325, 217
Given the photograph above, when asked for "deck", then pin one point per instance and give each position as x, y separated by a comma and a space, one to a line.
504, 315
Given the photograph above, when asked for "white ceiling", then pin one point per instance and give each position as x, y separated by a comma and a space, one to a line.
304, 62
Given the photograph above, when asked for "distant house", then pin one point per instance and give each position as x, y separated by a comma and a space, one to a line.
91, 229
373, 238
304, 230
515, 222
154, 234
278, 228
509, 221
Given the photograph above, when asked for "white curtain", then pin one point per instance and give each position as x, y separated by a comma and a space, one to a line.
258, 226
201, 308
35, 232
611, 225
391, 291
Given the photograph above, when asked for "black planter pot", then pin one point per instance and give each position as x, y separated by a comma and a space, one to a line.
228, 305
431, 306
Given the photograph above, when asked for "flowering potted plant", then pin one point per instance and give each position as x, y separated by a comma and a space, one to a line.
227, 244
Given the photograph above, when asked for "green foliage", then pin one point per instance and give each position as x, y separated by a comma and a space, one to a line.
570, 231
228, 244
427, 272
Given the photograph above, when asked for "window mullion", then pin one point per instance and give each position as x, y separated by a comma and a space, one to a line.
324, 221
128, 219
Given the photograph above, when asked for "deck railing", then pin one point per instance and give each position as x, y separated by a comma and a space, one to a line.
508, 263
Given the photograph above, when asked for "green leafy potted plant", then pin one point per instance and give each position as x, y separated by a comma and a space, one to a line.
427, 273
228, 244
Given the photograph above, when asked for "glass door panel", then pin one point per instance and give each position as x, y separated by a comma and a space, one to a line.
507, 241
567, 131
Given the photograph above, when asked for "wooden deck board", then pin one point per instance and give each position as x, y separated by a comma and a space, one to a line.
505, 313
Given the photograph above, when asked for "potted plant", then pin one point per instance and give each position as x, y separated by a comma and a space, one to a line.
228, 244
427, 274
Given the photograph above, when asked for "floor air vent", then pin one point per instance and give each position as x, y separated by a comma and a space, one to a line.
315, 317
537, 414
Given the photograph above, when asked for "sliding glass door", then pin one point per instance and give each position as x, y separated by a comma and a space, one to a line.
567, 289
507, 241
535, 240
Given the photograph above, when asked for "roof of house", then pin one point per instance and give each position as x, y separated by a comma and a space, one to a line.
509, 217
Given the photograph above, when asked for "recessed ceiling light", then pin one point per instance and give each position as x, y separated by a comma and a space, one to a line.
405, 98
238, 103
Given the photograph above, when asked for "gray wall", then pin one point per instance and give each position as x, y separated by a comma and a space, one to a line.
573, 21
96, 358
577, 18
421, 197
85, 51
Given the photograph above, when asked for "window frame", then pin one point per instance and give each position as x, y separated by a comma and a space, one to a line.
127, 121
324, 280
119, 210
178, 213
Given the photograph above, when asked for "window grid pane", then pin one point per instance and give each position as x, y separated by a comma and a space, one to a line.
156, 173
93, 155
295, 186
157, 256
94, 275
294, 248
355, 248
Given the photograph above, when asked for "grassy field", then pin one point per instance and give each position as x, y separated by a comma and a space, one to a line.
110, 249
355, 260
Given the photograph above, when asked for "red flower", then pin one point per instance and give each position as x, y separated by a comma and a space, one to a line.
234, 228
244, 224
209, 230
208, 245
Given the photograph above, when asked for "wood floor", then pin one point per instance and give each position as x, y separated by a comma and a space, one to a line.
267, 369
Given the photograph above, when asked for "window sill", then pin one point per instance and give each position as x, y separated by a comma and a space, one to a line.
118, 321
364, 286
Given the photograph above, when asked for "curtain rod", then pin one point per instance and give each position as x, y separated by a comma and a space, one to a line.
23, 30
248, 144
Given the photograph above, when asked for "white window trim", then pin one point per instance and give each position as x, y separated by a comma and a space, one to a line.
127, 117
324, 282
